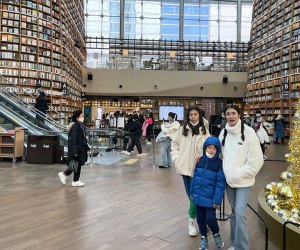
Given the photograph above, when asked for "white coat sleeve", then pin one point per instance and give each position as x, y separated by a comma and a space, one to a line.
175, 146
255, 158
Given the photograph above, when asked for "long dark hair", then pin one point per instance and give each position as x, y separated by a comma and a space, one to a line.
195, 129
173, 115
242, 122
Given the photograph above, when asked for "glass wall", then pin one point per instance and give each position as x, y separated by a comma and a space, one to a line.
202, 20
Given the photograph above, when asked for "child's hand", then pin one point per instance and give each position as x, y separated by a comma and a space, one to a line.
216, 206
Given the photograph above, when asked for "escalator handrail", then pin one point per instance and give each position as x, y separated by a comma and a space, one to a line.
22, 102
32, 128
18, 119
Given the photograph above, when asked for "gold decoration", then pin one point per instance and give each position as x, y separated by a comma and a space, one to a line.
284, 197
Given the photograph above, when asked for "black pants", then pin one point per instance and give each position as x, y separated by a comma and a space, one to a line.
76, 175
149, 132
135, 141
125, 143
263, 149
206, 216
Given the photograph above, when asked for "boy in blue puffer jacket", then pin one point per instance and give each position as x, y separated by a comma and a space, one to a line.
207, 190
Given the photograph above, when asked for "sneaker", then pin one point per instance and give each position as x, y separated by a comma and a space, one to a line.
148, 142
266, 157
230, 248
63, 178
77, 184
127, 153
192, 227
218, 241
163, 166
140, 155
203, 243
123, 152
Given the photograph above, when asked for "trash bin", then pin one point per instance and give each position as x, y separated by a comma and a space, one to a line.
41, 149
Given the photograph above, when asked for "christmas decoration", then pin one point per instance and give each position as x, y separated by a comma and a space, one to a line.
284, 197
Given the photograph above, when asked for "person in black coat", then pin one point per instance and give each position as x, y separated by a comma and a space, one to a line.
77, 148
219, 124
135, 134
41, 104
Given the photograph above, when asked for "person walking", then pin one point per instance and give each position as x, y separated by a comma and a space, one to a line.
169, 128
207, 190
186, 149
279, 128
135, 134
77, 148
242, 160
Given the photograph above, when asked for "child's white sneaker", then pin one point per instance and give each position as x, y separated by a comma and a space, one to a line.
192, 227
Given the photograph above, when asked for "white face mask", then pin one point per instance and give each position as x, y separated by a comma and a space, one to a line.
81, 119
209, 155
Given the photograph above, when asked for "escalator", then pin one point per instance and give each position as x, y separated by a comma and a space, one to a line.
14, 111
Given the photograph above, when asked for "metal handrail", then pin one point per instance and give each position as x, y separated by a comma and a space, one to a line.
21, 101
266, 226
31, 126
284, 232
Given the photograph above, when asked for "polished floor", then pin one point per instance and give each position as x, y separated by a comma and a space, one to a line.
127, 203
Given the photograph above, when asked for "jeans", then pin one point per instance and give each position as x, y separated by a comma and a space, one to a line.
206, 216
238, 199
187, 184
166, 153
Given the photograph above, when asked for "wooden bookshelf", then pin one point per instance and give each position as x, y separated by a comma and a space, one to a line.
12, 144
42, 46
274, 60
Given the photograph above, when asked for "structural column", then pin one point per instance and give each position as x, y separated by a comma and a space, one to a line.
181, 20
239, 21
122, 10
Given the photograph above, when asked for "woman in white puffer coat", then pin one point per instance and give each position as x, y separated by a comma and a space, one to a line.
186, 150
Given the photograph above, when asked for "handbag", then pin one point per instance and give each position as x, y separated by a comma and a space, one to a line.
73, 166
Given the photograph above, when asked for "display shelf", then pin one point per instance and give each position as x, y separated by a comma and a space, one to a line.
274, 65
12, 144
43, 47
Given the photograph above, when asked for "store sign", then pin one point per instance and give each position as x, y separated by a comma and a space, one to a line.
285, 89
83, 96
64, 88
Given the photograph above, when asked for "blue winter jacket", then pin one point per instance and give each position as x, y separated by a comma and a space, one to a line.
208, 183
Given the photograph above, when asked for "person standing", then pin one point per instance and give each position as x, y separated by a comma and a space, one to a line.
135, 134
207, 190
219, 124
169, 128
149, 129
186, 149
41, 105
77, 148
279, 128
242, 160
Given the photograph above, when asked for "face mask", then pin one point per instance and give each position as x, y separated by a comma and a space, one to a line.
194, 124
209, 155
81, 119
258, 115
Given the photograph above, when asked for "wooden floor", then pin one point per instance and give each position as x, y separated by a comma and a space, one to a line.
122, 206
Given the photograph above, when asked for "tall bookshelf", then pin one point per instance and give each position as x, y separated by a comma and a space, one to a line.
42, 46
274, 60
